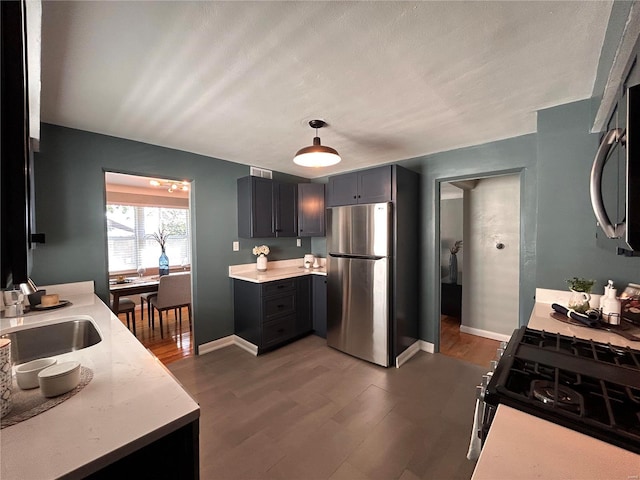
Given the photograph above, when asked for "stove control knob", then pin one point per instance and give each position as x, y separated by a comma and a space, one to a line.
499, 353
493, 364
503, 345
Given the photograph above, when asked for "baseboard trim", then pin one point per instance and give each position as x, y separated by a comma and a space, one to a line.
245, 345
419, 345
410, 351
226, 342
485, 333
215, 345
427, 346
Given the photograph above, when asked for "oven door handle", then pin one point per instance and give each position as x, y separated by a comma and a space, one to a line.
611, 138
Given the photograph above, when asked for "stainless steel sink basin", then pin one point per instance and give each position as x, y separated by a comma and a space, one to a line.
48, 340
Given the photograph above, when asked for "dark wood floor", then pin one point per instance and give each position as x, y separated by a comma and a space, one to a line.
463, 346
307, 411
176, 343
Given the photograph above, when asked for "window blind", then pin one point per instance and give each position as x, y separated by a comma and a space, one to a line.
130, 241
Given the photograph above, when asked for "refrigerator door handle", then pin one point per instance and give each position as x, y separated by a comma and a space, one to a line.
360, 257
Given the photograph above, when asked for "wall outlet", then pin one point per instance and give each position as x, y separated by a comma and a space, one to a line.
299, 242
236, 246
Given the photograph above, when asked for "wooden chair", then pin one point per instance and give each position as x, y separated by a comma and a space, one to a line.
174, 292
128, 307
146, 297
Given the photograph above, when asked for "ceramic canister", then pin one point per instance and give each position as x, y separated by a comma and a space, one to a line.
5, 376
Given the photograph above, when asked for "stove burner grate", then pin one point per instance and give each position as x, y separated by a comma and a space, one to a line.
561, 397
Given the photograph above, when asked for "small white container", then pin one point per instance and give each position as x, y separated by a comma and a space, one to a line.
27, 373
610, 305
59, 379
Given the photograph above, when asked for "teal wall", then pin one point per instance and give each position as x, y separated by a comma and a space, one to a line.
70, 210
512, 156
557, 232
566, 244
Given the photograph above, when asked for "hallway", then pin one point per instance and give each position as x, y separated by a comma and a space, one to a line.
463, 346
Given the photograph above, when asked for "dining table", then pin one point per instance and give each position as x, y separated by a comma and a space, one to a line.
131, 286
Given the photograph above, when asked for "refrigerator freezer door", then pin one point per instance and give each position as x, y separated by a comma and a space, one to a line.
359, 229
358, 307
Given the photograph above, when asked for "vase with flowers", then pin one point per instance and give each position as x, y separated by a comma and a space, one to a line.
161, 237
261, 263
453, 262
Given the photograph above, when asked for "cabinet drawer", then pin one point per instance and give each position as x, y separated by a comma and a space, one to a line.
280, 286
279, 305
277, 331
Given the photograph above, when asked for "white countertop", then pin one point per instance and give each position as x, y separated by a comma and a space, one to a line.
131, 401
276, 270
522, 446
541, 320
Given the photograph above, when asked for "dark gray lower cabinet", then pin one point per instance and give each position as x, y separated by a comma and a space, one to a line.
319, 305
271, 314
176, 455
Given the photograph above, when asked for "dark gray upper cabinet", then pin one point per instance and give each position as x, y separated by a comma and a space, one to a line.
365, 186
311, 211
285, 208
342, 190
266, 208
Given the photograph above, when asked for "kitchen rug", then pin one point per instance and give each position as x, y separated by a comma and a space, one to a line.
29, 403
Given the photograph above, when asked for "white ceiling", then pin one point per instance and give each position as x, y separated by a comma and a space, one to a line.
240, 80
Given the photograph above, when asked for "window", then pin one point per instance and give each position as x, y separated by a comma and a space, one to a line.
130, 240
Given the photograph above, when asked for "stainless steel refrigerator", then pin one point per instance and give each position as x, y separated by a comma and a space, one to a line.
359, 248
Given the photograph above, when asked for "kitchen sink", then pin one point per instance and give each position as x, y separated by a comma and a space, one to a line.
75, 333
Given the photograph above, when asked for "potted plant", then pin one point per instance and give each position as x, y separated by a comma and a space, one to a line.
580, 290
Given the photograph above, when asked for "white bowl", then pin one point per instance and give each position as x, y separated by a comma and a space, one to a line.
59, 379
27, 373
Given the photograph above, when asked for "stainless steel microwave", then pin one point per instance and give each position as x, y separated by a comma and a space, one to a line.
615, 180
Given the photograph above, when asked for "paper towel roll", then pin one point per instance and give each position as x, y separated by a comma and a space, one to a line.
6, 378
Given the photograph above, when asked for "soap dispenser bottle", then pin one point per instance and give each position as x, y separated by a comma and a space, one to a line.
610, 305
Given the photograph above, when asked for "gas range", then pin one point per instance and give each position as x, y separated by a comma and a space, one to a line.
590, 387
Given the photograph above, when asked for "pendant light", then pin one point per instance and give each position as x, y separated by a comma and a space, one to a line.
316, 155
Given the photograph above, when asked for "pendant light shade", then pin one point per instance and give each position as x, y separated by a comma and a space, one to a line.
316, 155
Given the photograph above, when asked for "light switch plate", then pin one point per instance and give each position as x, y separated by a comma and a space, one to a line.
236, 246
299, 242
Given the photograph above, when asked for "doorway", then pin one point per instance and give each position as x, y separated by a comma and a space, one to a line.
146, 216
479, 265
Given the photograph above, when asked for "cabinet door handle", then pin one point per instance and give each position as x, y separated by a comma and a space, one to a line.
355, 196
280, 286
280, 306
358, 196
280, 330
